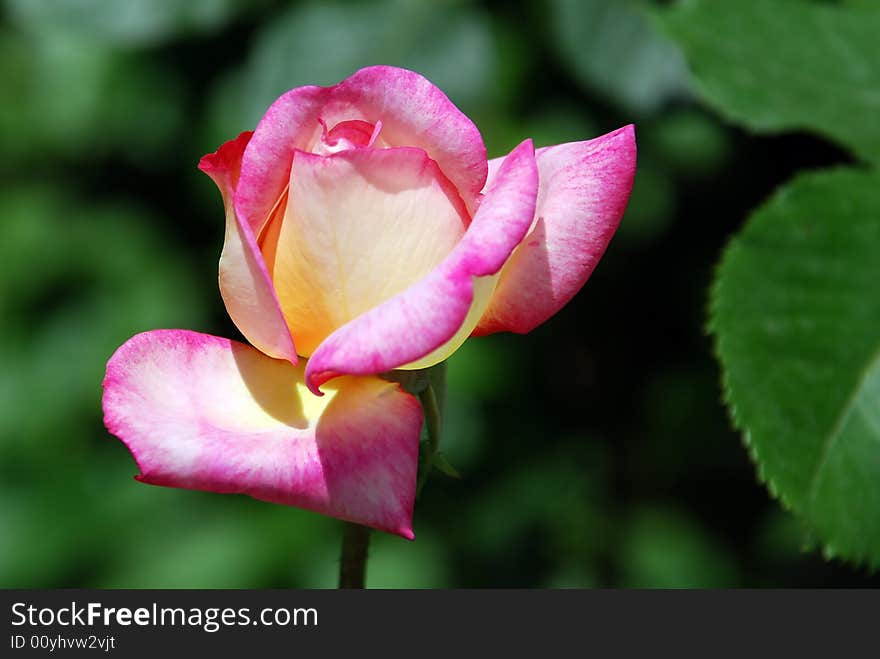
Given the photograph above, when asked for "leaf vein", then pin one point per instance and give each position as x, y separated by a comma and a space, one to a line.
845, 412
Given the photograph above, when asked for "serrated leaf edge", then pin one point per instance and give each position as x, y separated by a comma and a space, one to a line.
828, 549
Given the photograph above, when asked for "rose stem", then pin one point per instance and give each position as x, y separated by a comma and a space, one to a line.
353, 564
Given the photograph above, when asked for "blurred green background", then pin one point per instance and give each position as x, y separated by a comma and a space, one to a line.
595, 452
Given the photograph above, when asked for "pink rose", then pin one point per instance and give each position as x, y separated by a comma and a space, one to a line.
365, 232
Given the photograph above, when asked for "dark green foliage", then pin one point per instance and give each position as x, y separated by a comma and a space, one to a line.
796, 312
787, 65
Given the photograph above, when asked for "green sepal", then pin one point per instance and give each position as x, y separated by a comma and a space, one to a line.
441, 464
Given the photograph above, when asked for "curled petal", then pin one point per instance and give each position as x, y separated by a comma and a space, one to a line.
414, 112
584, 188
291, 122
425, 323
224, 165
245, 286
408, 109
206, 413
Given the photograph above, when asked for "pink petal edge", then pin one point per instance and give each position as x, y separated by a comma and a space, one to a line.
206, 413
245, 285
429, 313
412, 111
583, 192
415, 112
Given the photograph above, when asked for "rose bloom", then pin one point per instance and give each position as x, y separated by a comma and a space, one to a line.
365, 232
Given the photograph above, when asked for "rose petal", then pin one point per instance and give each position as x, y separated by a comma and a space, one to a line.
583, 192
361, 226
224, 165
412, 111
432, 317
244, 281
206, 413
291, 122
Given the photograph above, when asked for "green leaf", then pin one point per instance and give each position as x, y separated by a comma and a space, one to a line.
796, 316
786, 65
